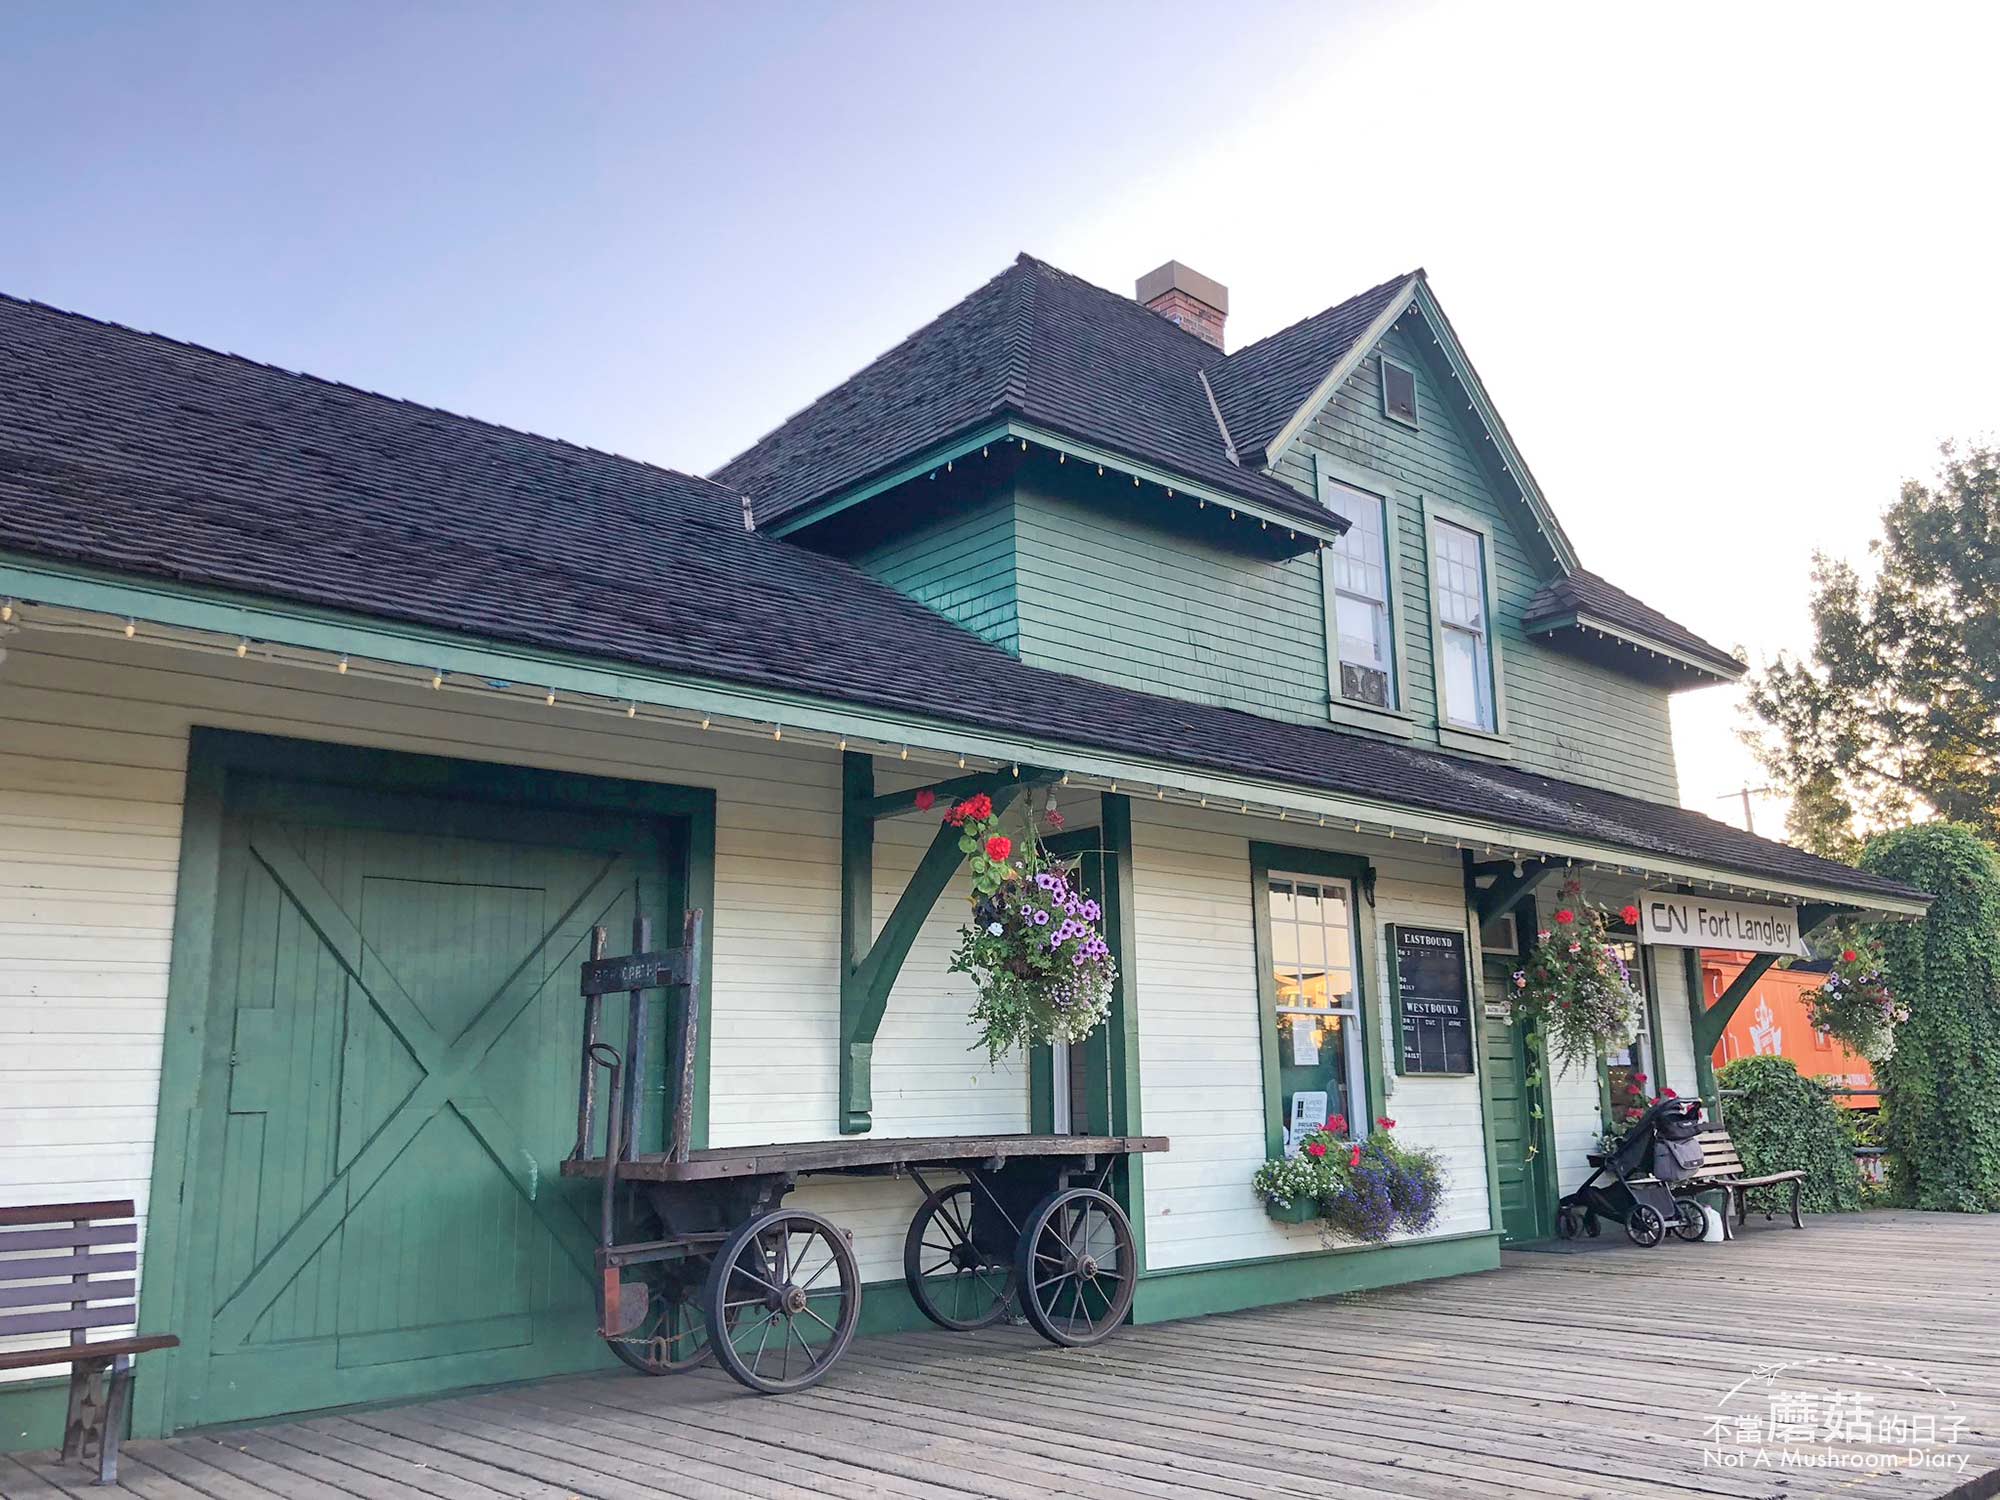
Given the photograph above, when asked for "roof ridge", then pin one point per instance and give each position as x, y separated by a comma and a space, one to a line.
904, 342
268, 368
1330, 308
1131, 303
1026, 302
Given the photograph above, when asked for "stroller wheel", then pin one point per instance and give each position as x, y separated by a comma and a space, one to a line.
1688, 1221
1644, 1227
1566, 1223
1591, 1225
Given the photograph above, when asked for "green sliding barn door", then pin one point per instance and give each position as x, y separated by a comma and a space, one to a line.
389, 1088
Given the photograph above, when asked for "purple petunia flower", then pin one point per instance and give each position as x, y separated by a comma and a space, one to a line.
1091, 911
1039, 917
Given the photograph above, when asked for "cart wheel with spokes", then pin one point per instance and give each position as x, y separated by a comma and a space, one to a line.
1077, 1266
1689, 1221
784, 1296
1644, 1227
1592, 1227
672, 1333
956, 1284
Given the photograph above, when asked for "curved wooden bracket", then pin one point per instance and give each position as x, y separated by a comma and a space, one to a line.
868, 969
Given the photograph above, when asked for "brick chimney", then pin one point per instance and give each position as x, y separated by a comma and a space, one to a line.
1187, 299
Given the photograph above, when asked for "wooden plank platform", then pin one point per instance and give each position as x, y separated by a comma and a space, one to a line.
1567, 1375
862, 1153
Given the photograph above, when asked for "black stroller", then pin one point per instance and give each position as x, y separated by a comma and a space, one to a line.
1626, 1185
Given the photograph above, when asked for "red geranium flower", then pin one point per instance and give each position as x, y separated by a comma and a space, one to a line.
972, 810
1848, 955
1338, 1124
925, 800
1565, 916
1355, 1159
1630, 915
999, 847
1638, 1077
1315, 1149
1385, 1122
1668, 1094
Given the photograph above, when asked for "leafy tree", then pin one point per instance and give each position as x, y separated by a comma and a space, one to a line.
1941, 1086
1896, 709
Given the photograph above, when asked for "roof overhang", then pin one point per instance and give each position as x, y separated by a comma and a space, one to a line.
1634, 652
1280, 529
58, 597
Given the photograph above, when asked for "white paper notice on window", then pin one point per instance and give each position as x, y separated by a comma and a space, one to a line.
1305, 1041
1308, 1115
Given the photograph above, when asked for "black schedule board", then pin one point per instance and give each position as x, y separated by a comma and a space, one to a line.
1433, 1000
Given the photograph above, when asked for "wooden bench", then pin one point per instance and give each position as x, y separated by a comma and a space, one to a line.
80, 1243
1722, 1170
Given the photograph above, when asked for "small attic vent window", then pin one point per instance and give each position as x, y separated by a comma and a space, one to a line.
1399, 393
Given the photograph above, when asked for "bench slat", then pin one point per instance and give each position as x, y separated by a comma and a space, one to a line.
65, 1321
62, 1239
76, 1263
64, 1213
62, 1354
63, 1293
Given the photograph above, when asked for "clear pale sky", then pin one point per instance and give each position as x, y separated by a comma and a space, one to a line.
1728, 271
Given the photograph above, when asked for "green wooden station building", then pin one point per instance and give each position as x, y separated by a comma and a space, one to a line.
330, 724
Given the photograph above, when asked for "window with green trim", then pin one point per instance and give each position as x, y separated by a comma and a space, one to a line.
1631, 1073
1359, 565
1465, 645
1315, 989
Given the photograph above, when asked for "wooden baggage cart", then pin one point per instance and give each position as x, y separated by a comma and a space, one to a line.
699, 1257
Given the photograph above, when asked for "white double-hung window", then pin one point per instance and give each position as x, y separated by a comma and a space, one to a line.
1465, 645
1359, 564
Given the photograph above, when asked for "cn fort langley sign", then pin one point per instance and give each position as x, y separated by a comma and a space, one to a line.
1673, 921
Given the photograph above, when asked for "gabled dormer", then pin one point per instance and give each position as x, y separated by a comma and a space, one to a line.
1331, 525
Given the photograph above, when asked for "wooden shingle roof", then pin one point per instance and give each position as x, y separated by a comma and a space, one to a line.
1036, 343
131, 453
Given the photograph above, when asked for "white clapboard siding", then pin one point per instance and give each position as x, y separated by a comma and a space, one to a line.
1201, 1065
93, 746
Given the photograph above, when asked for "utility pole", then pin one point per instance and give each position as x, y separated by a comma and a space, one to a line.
1749, 819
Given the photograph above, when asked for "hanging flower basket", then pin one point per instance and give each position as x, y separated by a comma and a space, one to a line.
1574, 985
1042, 970
1363, 1191
1853, 1005
1292, 1211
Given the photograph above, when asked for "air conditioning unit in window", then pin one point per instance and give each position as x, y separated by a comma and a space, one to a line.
1364, 685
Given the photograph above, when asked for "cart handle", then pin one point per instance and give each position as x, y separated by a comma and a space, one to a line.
606, 1056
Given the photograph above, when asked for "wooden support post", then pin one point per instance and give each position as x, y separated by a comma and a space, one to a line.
857, 921
687, 1043
1704, 1057
868, 969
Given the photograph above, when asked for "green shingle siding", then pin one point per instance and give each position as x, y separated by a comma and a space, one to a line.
1068, 574
961, 566
1117, 597
1564, 716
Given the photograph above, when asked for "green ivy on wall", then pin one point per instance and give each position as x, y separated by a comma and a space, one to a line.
1784, 1122
1941, 1088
